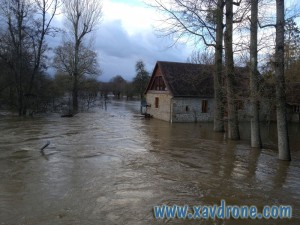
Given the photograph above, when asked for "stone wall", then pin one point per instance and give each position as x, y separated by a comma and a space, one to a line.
178, 109
267, 111
164, 104
190, 110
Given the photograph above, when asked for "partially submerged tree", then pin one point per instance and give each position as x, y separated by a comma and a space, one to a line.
23, 45
46, 9
254, 90
201, 21
118, 85
89, 90
282, 128
141, 79
219, 93
82, 16
15, 43
87, 65
233, 127
277, 76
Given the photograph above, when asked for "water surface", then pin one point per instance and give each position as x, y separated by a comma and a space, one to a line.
112, 167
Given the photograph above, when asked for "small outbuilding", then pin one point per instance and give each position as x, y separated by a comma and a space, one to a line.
184, 92
181, 92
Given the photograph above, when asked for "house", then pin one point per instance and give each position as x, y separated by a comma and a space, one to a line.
184, 92
181, 92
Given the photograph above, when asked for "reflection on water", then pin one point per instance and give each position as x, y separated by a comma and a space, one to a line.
112, 167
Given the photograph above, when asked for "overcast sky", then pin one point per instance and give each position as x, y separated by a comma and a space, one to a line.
127, 35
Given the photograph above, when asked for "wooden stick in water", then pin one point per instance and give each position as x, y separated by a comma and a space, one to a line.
45, 146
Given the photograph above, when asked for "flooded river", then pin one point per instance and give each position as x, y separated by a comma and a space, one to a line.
112, 167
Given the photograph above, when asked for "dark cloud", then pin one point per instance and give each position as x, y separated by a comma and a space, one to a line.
118, 50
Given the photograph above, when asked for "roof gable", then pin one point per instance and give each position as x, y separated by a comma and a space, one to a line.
157, 81
185, 79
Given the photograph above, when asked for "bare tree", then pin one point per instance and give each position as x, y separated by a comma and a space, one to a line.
15, 44
23, 45
219, 93
254, 91
87, 61
292, 44
233, 127
202, 57
282, 128
46, 9
88, 92
201, 21
82, 16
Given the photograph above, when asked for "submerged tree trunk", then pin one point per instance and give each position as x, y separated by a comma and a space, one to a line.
219, 105
76, 75
75, 94
233, 125
20, 103
282, 128
255, 129
83, 16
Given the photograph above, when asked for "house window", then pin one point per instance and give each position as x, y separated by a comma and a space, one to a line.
156, 102
204, 106
187, 108
296, 109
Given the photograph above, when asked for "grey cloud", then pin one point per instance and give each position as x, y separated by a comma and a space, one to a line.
118, 51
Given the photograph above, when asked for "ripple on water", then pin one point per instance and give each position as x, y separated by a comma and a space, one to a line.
111, 167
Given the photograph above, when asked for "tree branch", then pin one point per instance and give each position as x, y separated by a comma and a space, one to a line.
267, 25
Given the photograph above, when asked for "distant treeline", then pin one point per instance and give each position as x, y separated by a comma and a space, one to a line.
55, 93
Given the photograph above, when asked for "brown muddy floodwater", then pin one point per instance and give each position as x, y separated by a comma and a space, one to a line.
112, 167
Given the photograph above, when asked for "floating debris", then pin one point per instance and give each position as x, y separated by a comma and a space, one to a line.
67, 115
45, 146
